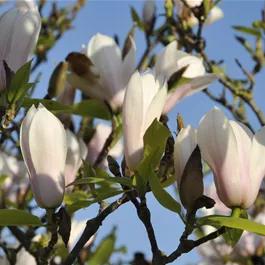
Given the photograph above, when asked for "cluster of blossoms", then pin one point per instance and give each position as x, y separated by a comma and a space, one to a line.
230, 149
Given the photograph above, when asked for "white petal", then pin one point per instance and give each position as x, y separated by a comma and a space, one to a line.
216, 14
195, 85
185, 144
244, 139
22, 38
195, 64
24, 137
218, 146
93, 91
73, 157
166, 61
128, 65
156, 106
132, 117
257, 165
150, 87
48, 149
26, 4
106, 56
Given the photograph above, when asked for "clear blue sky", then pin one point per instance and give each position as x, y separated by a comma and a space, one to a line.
113, 17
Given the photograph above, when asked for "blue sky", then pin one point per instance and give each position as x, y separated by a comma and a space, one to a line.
113, 17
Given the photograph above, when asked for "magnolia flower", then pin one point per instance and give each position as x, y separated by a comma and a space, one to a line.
171, 60
149, 12
215, 14
19, 31
190, 188
77, 229
76, 151
16, 176
144, 100
214, 251
44, 148
235, 157
192, 3
27, 4
95, 145
113, 72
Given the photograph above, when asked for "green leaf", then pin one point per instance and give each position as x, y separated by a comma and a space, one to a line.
104, 251
19, 83
247, 30
155, 140
124, 181
164, 198
51, 105
87, 108
233, 235
75, 196
3, 178
92, 108
207, 7
136, 19
259, 24
84, 204
18, 218
232, 222
171, 179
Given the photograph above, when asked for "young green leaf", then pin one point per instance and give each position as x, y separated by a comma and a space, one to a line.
10, 217
164, 198
233, 235
232, 222
104, 251
247, 30
155, 140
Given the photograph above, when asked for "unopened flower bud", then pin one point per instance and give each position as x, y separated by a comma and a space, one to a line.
57, 80
44, 148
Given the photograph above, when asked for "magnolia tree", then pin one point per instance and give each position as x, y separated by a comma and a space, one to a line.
120, 149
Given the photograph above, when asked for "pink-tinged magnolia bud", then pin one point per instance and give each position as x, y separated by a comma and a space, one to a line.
44, 148
144, 100
76, 151
95, 145
235, 156
113, 73
19, 31
172, 60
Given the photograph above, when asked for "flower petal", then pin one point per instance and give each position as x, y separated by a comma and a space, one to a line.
156, 106
48, 149
132, 117
216, 14
106, 56
218, 146
128, 65
257, 165
195, 85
